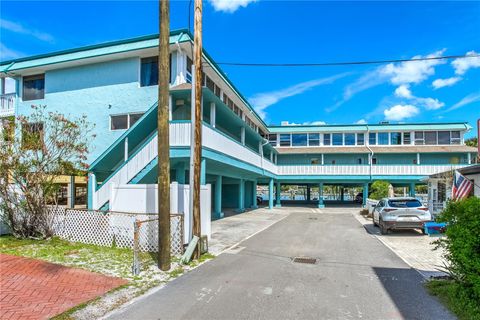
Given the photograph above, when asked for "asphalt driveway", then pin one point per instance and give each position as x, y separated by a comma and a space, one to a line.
355, 277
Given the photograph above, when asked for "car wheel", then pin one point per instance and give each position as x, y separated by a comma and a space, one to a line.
383, 228
373, 219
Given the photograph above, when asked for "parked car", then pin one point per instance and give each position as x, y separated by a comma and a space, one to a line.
400, 213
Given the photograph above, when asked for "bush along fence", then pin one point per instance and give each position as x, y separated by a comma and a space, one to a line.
107, 228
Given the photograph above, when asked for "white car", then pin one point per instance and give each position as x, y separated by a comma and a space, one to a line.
400, 213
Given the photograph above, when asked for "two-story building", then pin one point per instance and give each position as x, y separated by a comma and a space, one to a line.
115, 85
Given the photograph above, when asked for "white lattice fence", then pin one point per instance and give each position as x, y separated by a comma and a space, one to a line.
115, 228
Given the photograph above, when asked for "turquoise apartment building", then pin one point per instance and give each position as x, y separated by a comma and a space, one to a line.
115, 85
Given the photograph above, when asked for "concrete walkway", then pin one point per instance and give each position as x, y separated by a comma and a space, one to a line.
412, 246
355, 276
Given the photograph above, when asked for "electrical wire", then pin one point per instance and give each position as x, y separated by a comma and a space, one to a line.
324, 64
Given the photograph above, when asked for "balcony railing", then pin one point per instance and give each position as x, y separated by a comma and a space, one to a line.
378, 170
7, 104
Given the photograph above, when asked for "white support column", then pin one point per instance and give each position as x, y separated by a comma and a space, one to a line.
213, 111
271, 157
260, 148
418, 158
126, 149
323, 160
469, 158
170, 107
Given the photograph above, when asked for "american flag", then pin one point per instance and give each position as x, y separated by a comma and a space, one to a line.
461, 186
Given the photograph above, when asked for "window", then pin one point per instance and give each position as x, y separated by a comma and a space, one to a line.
383, 138
285, 140
119, 122
359, 161
349, 139
326, 139
430, 137
414, 203
34, 87
443, 137
314, 139
299, 139
124, 121
419, 139
395, 138
210, 84
337, 139
360, 139
32, 136
149, 72
406, 138
272, 138
374, 160
372, 138
314, 161
455, 137
134, 118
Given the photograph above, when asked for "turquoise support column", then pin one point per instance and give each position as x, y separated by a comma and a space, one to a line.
278, 194
241, 196
254, 194
412, 189
203, 171
180, 173
270, 194
342, 194
365, 194
218, 214
320, 196
308, 193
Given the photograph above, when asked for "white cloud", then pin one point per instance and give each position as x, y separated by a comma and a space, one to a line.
403, 91
361, 121
412, 71
262, 101
440, 83
471, 98
314, 123
7, 53
400, 112
229, 6
18, 28
397, 73
461, 65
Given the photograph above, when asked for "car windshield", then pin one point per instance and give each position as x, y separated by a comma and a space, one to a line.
402, 203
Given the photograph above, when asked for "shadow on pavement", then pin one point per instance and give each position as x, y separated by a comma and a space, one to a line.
405, 288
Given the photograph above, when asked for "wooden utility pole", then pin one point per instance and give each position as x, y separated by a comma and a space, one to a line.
197, 46
163, 138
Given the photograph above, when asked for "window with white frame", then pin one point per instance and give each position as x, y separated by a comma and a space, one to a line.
327, 139
299, 139
372, 138
337, 139
272, 138
314, 139
406, 138
360, 139
349, 139
124, 121
395, 138
285, 140
419, 138
382, 138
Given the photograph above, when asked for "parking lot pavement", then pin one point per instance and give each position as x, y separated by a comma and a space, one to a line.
412, 246
232, 229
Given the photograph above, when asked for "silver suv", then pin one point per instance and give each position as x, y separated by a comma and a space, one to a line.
400, 213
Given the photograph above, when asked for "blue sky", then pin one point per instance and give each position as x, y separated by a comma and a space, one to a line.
294, 32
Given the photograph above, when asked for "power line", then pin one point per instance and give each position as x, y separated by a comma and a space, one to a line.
246, 64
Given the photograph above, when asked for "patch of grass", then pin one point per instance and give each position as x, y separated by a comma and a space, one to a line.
456, 298
110, 261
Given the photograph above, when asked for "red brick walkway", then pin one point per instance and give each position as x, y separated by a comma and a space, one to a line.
35, 289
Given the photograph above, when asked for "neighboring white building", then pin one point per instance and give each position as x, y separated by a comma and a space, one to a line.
440, 186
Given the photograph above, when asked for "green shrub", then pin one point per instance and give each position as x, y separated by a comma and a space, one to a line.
379, 190
462, 243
